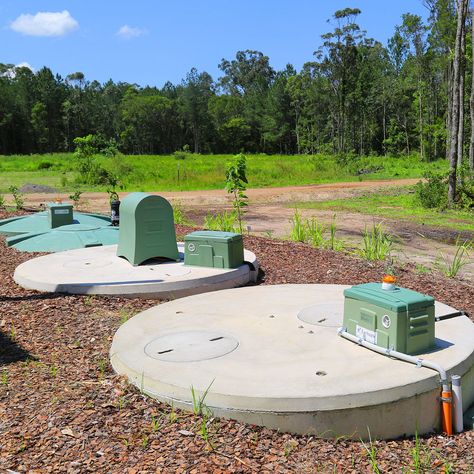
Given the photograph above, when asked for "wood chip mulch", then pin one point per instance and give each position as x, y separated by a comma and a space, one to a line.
62, 409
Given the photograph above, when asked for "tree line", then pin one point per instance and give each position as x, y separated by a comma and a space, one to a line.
356, 96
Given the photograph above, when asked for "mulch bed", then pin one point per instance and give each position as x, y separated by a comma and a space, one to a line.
62, 409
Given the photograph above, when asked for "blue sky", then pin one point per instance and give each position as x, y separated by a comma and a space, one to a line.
149, 42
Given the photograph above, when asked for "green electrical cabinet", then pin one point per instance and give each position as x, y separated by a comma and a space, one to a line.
59, 214
146, 229
213, 249
399, 319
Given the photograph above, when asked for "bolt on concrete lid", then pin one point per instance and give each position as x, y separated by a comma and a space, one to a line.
67, 237
39, 222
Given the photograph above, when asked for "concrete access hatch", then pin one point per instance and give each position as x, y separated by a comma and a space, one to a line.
191, 346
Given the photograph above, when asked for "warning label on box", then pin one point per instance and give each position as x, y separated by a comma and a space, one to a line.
366, 334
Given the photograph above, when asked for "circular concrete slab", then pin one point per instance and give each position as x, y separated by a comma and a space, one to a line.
98, 270
290, 371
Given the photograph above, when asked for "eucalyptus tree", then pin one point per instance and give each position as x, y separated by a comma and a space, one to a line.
195, 92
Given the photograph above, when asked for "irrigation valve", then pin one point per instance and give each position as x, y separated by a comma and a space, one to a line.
388, 282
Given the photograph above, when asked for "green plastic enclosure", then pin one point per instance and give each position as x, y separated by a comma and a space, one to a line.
399, 319
146, 229
213, 249
66, 237
59, 214
39, 222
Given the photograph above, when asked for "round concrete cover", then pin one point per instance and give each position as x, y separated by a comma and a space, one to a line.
285, 373
190, 346
323, 314
98, 270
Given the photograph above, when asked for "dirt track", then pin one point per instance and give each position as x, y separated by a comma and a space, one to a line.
270, 211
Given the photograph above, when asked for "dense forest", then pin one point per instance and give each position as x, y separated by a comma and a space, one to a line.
356, 96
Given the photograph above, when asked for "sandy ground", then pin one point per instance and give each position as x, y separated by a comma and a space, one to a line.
270, 211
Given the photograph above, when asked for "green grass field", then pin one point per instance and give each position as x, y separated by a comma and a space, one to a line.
166, 173
399, 203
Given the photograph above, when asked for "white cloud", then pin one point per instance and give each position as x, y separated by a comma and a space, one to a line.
25, 64
45, 24
11, 72
129, 32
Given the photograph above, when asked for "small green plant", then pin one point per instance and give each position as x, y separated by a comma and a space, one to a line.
89, 300
289, 447
204, 430
156, 423
450, 267
113, 195
178, 214
421, 269
314, 232
298, 229
2, 201
102, 366
124, 315
225, 221
372, 454
75, 197
53, 370
376, 244
172, 414
18, 197
334, 243
236, 184
199, 407
12, 332
4, 378
145, 441
121, 402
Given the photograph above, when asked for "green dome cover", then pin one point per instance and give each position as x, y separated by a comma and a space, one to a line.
67, 237
39, 223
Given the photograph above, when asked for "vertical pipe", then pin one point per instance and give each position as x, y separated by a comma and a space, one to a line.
446, 412
457, 404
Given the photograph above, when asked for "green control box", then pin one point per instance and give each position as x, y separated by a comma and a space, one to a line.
146, 229
399, 319
213, 249
59, 214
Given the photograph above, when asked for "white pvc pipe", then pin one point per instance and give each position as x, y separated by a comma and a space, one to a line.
457, 404
399, 355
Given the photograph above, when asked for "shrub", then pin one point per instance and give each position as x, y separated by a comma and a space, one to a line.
433, 192
18, 197
376, 244
225, 221
44, 165
236, 184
